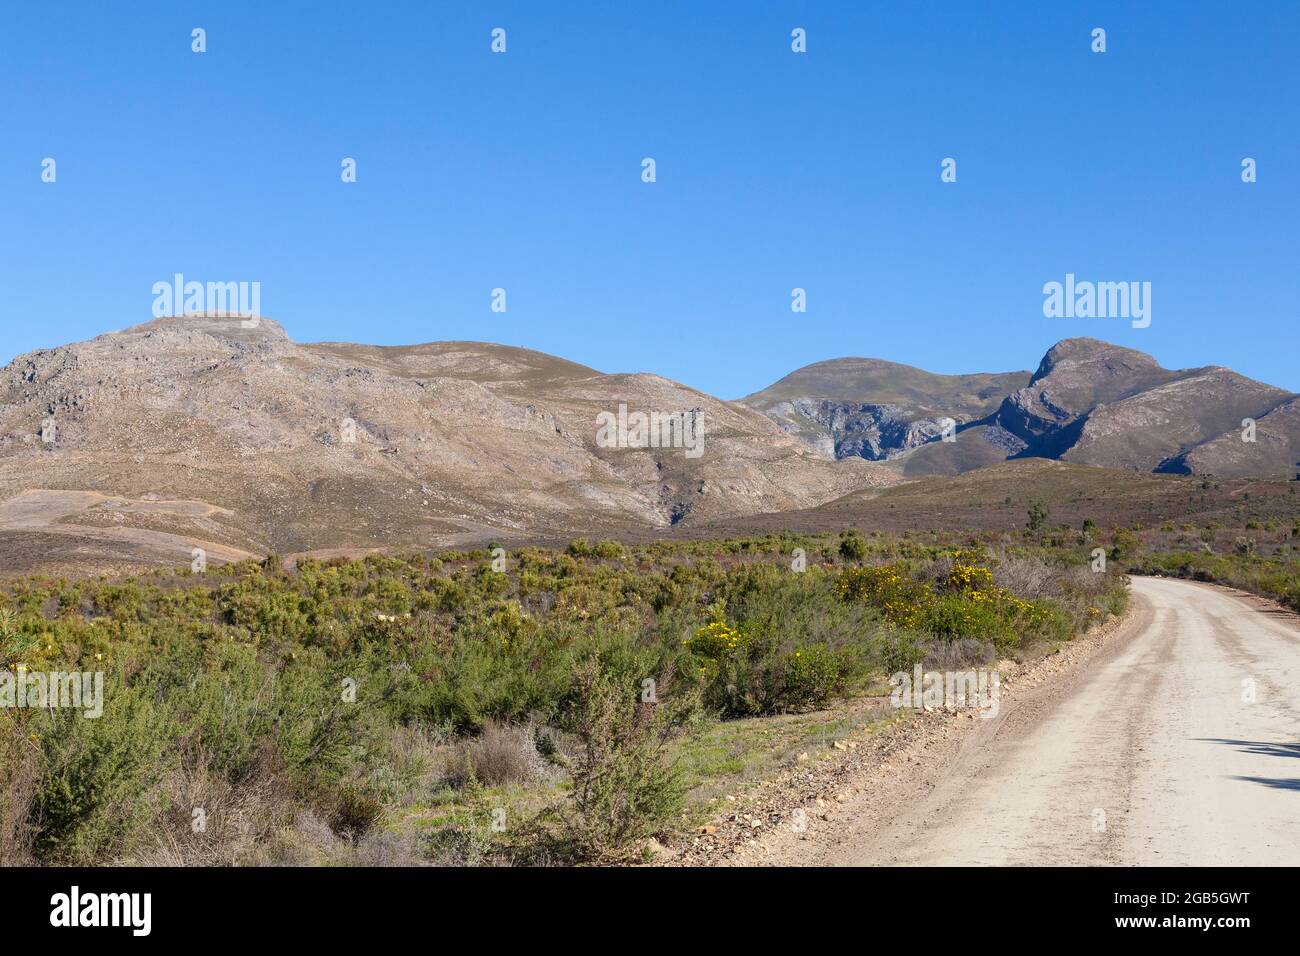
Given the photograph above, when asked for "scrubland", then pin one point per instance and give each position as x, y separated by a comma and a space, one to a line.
531, 706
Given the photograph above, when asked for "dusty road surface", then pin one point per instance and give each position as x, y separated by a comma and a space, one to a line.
1179, 745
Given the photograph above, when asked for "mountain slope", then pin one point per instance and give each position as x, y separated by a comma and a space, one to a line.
204, 430
1094, 403
1089, 402
1276, 449
869, 408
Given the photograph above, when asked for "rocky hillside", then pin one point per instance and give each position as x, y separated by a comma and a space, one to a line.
198, 429
1276, 450
877, 410
1093, 403
202, 432
1089, 402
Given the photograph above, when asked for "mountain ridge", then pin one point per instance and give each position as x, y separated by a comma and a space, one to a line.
1088, 401
224, 433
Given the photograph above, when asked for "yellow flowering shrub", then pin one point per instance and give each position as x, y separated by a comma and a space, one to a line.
900, 598
969, 604
715, 641
745, 674
969, 579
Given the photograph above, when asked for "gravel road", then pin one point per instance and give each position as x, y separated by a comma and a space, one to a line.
1179, 746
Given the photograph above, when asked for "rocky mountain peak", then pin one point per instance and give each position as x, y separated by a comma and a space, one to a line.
1092, 356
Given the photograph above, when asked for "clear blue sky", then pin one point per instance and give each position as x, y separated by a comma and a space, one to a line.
775, 170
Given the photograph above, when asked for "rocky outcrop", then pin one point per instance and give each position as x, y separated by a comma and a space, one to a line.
877, 410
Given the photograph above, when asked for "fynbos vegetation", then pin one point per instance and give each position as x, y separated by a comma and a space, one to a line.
400, 709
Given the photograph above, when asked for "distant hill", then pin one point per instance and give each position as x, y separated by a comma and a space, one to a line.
1089, 402
869, 408
999, 497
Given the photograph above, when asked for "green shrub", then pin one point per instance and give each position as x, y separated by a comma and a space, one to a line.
900, 652
1124, 545
852, 547
1038, 515
100, 775
624, 786
814, 674
956, 616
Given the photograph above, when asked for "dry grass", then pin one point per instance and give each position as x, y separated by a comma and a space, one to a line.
18, 781
212, 822
310, 841
500, 754
942, 654
1027, 577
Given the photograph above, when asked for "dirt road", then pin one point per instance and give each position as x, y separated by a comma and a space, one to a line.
54, 512
1178, 744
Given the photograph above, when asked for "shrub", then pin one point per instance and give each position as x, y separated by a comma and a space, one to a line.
355, 811
479, 678
814, 674
500, 754
852, 547
899, 653
1038, 515
901, 599
98, 788
1124, 545
955, 616
609, 550
1026, 576
968, 579
624, 787
747, 674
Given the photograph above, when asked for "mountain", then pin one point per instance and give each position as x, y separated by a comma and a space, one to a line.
199, 431
1276, 449
1094, 403
205, 431
877, 410
1089, 402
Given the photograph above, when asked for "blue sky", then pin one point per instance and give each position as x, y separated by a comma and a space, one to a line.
775, 170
